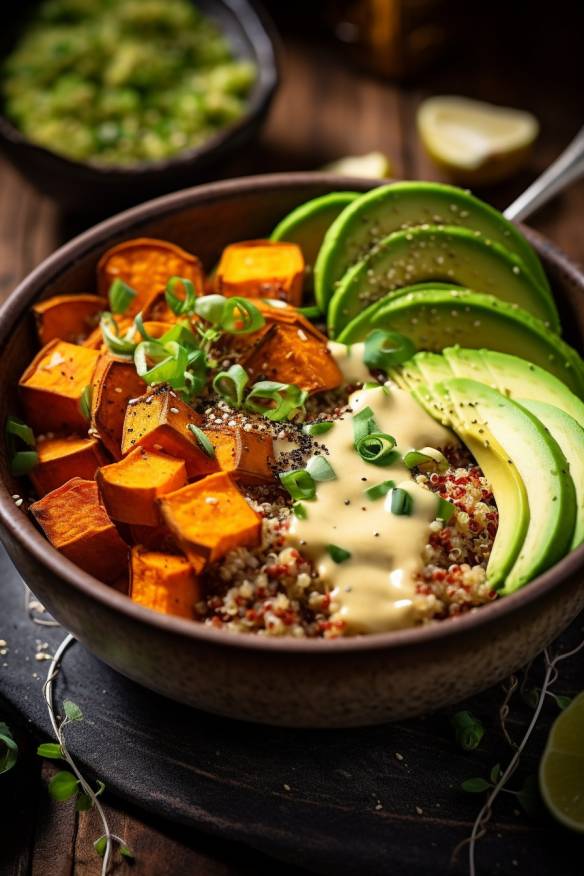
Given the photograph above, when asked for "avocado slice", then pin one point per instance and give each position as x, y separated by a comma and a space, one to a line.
505, 481
308, 224
542, 466
400, 205
437, 319
570, 436
438, 253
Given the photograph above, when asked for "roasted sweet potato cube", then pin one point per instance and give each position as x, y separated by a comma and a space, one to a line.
115, 383
262, 269
68, 317
291, 355
129, 488
154, 538
63, 458
245, 455
52, 386
275, 312
159, 421
146, 265
77, 525
163, 582
210, 518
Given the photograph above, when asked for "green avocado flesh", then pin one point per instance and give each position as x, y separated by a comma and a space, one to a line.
449, 254
307, 225
398, 206
437, 319
541, 465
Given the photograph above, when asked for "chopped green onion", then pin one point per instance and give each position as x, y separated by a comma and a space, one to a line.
363, 424
139, 326
18, 429
241, 316
120, 296
376, 448
379, 490
23, 461
311, 312
120, 345
230, 385
181, 306
161, 363
276, 401
414, 458
320, 469
211, 308
338, 554
299, 484
317, 428
202, 439
85, 403
182, 335
445, 510
401, 502
299, 510
384, 349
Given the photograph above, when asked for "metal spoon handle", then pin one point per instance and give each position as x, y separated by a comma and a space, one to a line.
567, 168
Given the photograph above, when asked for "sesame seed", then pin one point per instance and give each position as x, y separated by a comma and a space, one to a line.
174, 410
211, 500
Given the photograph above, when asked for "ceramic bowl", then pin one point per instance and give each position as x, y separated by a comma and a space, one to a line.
80, 186
344, 682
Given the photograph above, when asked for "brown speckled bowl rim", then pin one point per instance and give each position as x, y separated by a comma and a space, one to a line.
29, 537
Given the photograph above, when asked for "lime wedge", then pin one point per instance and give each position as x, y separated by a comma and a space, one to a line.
561, 771
374, 165
475, 142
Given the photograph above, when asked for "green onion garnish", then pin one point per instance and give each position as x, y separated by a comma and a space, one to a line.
276, 401
338, 554
445, 510
18, 429
414, 457
23, 461
376, 448
363, 424
379, 490
317, 428
119, 345
211, 308
299, 484
139, 326
230, 385
241, 317
320, 469
299, 510
120, 296
384, 349
179, 333
401, 502
202, 440
85, 403
180, 306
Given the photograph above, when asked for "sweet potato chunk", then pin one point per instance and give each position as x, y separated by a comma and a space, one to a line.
210, 518
159, 421
245, 455
129, 488
77, 525
154, 538
277, 312
61, 459
53, 384
146, 265
70, 318
115, 382
262, 269
291, 355
163, 582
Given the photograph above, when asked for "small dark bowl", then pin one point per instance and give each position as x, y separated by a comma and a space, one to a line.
342, 682
80, 186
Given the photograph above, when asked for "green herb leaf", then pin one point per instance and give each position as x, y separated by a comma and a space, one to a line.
241, 316
126, 852
23, 462
445, 510
230, 385
72, 711
299, 510
51, 750
18, 429
495, 773
363, 424
338, 554
320, 469
211, 308
83, 802
384, 349
63, 786
377, 448
120, 345
85, 403
203, 441
120, 296
8, 748
317, 428
531, 696
562, 701
100, 788
100, 845
379, 490
468, 730
475, 786
276, 401
181, 305
401, 502
298, 483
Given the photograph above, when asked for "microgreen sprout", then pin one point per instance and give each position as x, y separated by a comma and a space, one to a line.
468, 730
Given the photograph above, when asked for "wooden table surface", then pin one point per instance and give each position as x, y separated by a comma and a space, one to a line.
325, 109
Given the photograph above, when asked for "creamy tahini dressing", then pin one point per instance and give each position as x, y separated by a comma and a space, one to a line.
349, 358
374, 589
